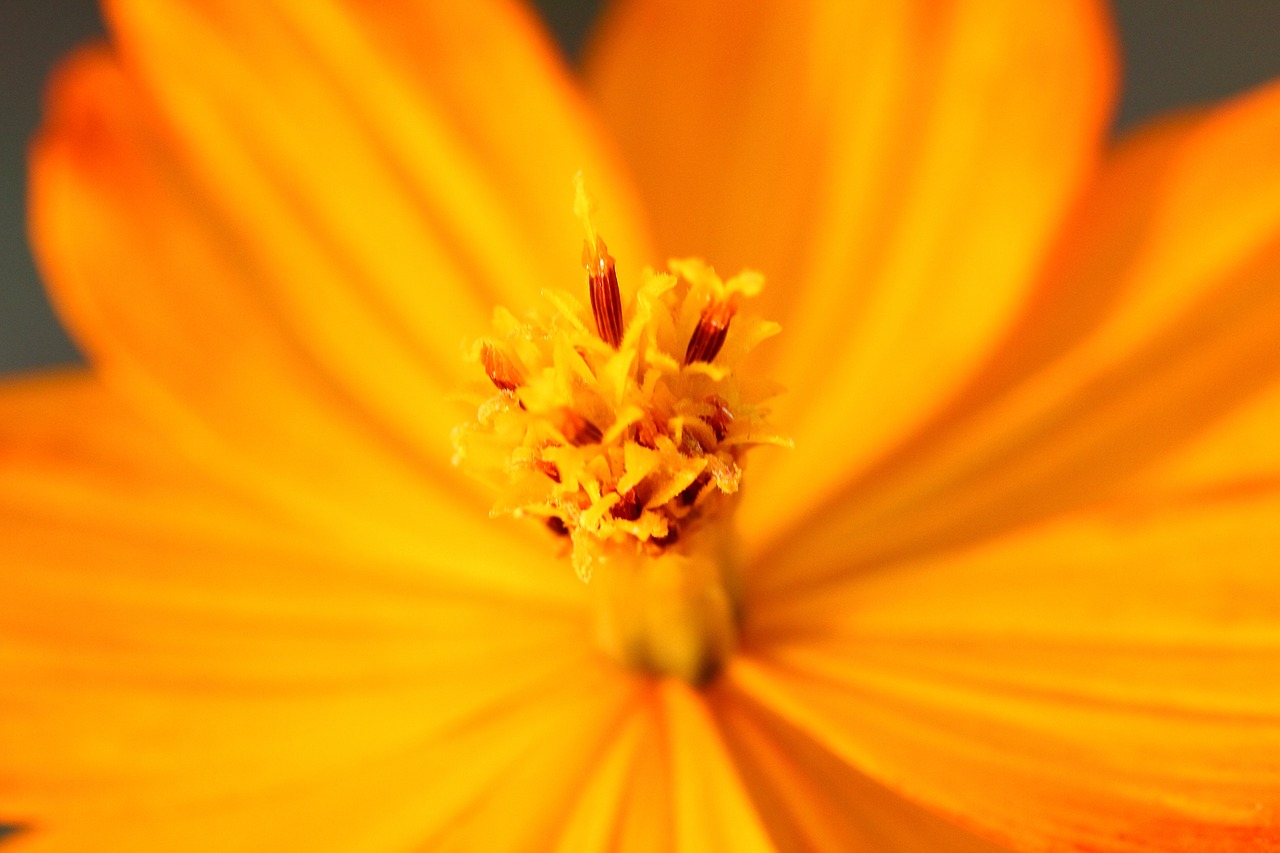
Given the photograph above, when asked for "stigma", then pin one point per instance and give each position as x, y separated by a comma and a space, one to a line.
621, 425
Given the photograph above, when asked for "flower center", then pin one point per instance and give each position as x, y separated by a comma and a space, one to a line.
623, 428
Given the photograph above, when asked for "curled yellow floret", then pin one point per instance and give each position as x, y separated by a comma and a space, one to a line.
621, 424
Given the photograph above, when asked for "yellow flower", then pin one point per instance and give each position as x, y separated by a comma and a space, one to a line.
1015, 585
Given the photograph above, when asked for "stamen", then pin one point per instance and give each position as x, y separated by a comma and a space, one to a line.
710, 333
628, 508
602, 274
602, 284
647, 434
691, 492
502, 373
666, 540
631, 452
633, 458
577, 429
548, 468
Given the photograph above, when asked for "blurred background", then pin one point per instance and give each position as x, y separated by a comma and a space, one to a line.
1176, 52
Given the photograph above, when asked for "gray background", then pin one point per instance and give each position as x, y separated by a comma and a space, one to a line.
1176, 52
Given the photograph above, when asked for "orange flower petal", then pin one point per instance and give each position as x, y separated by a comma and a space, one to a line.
521, 770
503, 779
277, 225
1102, 682
172, 305
1153, 335
72, 453
179, 657
712, 809
812, 800
895, 169
646, 819
669, 783
1238, 450
187, 702
427, 154
619, 784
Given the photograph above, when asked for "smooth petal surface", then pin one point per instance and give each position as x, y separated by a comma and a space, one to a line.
71, 452
1104, 681
624, 805
896, 171
812, 800
183, 670
669, 783
278, 227
712, 807
1018, 574
172, 302
1145, 365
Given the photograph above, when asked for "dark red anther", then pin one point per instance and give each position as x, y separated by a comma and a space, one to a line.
629, 508
546, 466
557, 526
602, 284
691, 491
647, 434
667, 539
710, 333
502, 372
577, 429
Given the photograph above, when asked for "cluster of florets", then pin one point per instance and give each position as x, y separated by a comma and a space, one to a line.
621, 424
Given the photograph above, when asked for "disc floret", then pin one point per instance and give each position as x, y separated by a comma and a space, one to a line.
621, 425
